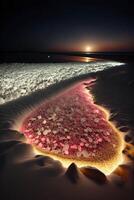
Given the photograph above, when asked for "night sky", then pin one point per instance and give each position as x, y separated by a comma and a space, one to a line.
66, 25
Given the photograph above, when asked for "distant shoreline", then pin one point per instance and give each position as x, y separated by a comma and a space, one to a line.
44, 57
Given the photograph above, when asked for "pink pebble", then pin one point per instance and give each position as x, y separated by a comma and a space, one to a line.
100, 140
73, 146
40, 145
43, 139
66, 152
81, 144
36, 141
30, 136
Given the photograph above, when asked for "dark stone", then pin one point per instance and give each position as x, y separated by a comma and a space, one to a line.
72, 173
94, 174
128, 138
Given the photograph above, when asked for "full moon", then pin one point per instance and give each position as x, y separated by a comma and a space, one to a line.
88, 48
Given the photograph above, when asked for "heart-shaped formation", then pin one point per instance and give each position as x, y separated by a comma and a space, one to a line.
71, 126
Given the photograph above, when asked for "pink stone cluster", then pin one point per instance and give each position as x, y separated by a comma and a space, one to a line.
69, 124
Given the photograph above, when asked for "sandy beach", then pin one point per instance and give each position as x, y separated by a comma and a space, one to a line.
23, 174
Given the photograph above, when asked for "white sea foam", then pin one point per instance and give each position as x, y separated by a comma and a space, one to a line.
18, 79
